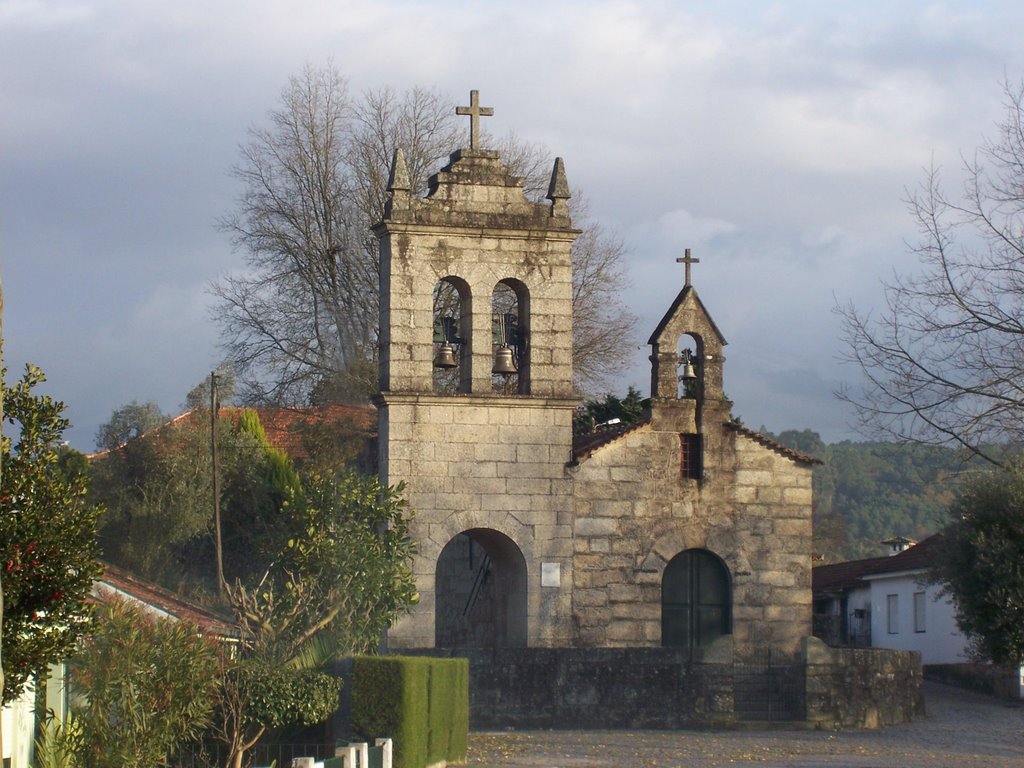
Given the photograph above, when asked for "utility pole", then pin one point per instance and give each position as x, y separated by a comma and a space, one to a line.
214, 420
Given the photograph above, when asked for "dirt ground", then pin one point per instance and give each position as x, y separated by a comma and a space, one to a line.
961, 729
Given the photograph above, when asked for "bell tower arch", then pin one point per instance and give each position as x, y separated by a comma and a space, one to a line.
477, 279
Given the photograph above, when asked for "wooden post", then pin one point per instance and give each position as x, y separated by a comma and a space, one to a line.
215, 459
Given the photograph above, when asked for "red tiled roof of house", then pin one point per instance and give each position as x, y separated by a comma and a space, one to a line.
115, 581
840, 576
280, 423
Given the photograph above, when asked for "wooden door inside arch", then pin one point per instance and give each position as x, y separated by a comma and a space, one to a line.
480, 586
696, 600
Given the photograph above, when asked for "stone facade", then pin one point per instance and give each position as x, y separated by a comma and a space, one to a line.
525, 538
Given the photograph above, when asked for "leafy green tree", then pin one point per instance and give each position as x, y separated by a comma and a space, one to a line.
158, 493
982, 563
147, 686
332, 588
127, 423
627, 410
48, 543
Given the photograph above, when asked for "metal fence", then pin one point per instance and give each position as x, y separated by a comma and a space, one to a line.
279, 755
769, 685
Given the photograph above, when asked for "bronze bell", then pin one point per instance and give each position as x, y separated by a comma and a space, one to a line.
688, 373
445, 357
503, 361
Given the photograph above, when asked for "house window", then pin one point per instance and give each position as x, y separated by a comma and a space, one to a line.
892, 614
690, 465
919, 611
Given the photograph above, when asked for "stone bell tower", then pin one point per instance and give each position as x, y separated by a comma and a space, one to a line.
686, 377
475, 402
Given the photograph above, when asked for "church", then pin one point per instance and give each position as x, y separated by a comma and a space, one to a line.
680, 530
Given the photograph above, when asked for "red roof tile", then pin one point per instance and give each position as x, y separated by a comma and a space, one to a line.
115, 580
841, 576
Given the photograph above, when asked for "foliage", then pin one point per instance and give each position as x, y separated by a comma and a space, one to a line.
343, 575
422, 703
48, 547
301, 324
158, 493
982, 563
59, 743
331, 589
627, 410
147, 686
942, 362
128, 423
866, 492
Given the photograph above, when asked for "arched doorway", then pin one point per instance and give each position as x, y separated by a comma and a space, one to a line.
696, 600
480, 583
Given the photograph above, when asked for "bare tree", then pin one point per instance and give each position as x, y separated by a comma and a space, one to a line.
301, 323
602, 326
943, 363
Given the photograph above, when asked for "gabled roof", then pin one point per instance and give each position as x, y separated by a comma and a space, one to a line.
584, 445
683, 294
768, 442
855, 573
116, 582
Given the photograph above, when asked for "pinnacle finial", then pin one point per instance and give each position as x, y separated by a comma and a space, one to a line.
558, 188
398, 180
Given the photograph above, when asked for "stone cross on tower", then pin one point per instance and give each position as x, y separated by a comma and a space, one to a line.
688, 261
475, 111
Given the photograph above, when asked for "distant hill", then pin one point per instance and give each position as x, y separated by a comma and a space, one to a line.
866, 492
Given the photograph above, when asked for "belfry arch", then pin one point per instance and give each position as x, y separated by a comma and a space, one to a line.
510, 312
481, 592
452, 336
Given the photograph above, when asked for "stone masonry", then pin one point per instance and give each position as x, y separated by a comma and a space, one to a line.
547, 543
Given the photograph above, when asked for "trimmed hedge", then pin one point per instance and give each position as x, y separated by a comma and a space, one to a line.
421, 703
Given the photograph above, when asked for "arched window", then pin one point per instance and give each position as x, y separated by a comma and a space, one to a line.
510, 315
452, 336
696, 600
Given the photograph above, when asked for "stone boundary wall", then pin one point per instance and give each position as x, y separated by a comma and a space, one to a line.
659, 688
577, 688
861, 687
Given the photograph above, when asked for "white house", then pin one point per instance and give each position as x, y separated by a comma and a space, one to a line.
886, 602
18, 719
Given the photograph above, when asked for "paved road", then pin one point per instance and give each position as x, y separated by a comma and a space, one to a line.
962, 729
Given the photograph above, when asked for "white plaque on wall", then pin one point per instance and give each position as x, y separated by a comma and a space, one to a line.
551, 574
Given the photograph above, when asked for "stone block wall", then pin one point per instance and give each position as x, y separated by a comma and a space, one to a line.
635, 512
484, 463
661, 688
862, 687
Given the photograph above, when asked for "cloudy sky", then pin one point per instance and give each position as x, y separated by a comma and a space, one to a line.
777, 140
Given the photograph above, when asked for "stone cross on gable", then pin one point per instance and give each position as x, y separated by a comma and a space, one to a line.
688, 261
475, 112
